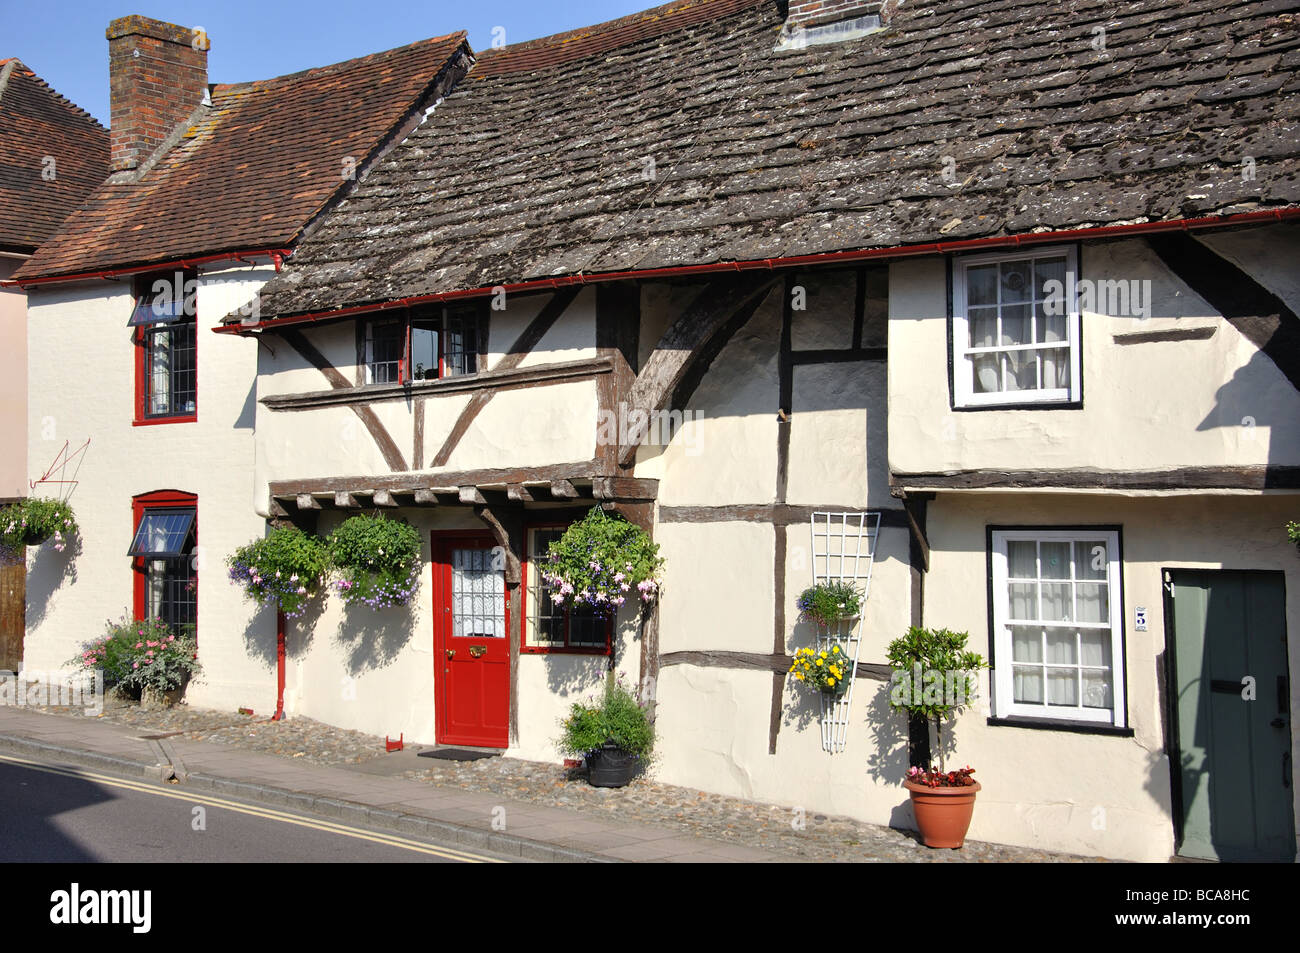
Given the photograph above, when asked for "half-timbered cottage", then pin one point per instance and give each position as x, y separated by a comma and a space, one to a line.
997, 297
135, 414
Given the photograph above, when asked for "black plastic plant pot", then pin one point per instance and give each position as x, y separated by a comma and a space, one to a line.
609, 766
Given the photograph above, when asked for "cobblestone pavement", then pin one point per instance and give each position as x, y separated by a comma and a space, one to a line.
645, 800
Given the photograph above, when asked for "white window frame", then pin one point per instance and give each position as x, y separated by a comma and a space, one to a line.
1005, 705
964, 394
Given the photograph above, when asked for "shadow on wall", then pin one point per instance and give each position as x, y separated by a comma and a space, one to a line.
50, 570
373, 638
888, 761
259, 633
1247, 402
572, 675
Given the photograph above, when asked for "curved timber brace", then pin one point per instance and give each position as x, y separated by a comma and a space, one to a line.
687, 349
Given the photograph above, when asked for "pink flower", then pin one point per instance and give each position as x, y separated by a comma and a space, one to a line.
135, 664
151, 645
150, 652
139, 645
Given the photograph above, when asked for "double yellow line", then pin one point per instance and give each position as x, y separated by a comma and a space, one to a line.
390, 840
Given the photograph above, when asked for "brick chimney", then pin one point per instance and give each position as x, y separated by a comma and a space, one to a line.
829, 21
158, 74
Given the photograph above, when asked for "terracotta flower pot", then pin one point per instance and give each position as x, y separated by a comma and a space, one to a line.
943, 814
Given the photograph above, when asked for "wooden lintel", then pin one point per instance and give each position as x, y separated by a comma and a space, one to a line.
758, 661
564, 490
277, 510
1257, 477
449, 481
307, 502
471, 494
519, 493
426, 497
344, 500
779, 514
624, 488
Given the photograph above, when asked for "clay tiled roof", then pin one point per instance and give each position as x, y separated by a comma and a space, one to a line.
539, 163
254, 168
38, 125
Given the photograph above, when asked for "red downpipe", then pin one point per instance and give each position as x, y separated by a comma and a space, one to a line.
771, 264
279, 666
277, 256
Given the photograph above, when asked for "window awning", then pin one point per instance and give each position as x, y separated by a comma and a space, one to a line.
156, 309
162, 534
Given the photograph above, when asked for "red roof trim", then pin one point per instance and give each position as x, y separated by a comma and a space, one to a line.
277, 255
771, 264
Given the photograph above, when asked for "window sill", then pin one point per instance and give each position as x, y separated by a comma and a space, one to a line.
541, 650
1078, 727
151, 421
1024, 405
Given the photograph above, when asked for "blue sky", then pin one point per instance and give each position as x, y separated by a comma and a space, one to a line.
64, 41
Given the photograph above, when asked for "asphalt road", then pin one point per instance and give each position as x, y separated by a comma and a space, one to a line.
55, 813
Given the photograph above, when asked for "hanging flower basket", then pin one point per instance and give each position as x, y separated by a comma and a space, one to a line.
601, 562
32, 521
377, 561
829, 603
286, 569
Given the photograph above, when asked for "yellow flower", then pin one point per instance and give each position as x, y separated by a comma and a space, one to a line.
836, 649
800, 677
819, 662
822, 654
830, 681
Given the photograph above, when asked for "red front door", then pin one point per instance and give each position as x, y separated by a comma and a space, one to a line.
470, 643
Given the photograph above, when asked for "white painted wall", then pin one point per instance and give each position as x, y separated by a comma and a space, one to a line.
1215, 402
88, 392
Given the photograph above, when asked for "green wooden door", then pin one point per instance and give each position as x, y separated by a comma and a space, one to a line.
1231, 709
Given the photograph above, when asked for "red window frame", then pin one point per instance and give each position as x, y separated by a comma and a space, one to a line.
441, 318
159, 499
139, 337
527, 649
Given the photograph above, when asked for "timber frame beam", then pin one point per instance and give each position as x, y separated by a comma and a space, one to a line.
686, 349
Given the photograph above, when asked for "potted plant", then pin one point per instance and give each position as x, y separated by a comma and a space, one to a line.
286, 568
828, 603
934, 677
1293, 533
827, 670
614, 734
32, 521
145, 658
377, 559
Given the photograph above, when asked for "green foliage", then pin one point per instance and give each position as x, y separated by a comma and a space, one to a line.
1293, 533
378, 560
599, 560
934, 675
618, 716
939, 653
830, 602
287, 568
32, 521
135, 654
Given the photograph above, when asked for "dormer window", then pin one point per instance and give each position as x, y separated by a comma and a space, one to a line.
429, 345
165, 320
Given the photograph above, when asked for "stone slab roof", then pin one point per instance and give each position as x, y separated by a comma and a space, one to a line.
680, 137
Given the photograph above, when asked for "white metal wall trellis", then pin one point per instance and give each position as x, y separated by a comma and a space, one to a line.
843, 550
